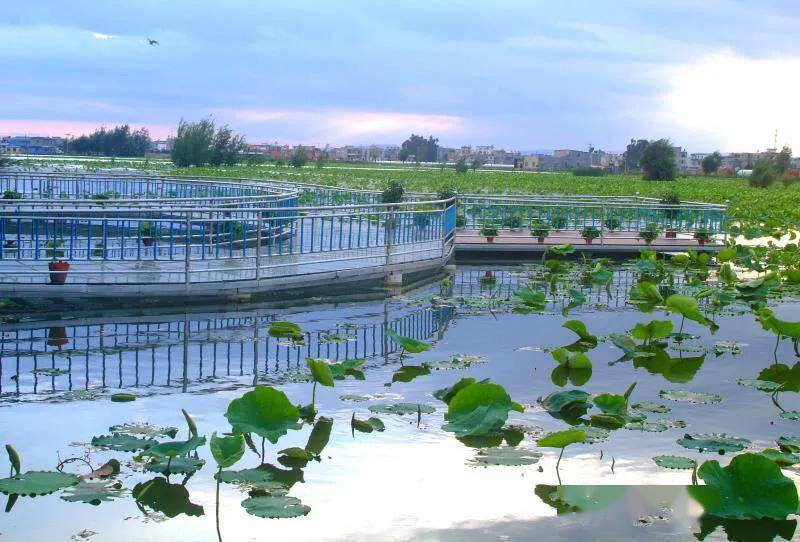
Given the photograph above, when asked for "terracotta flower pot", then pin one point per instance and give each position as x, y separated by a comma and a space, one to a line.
490, 239
57, 336
588, 240
61, 276
701, 242
671, 234
147, 241
540, 239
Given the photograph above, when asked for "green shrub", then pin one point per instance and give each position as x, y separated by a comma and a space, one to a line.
393, 193
489, 230
763, 174
446, 192
611, 223
12, 194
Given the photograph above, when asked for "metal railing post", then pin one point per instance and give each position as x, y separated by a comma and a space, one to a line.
389, 235
258, 244
187, 266
602, 224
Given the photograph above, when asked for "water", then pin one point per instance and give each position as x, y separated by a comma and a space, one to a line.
413, 481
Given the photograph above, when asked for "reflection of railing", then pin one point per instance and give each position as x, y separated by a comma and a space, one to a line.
185, 353
168, 231
502, 283
626, 213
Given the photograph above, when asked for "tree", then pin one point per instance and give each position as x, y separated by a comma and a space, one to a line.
783, 161
711, 163
461, 165
658, 161
118, 141
633, 153
226, 147
393, 193
476, 163
763, 174
299, 158
192, 145
423, 150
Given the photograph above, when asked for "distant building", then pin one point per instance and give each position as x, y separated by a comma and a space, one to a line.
569, 159
681, 159
31, 145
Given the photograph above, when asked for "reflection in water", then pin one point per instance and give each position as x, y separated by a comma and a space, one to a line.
181, 351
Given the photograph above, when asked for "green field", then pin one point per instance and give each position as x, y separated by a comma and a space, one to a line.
777, 207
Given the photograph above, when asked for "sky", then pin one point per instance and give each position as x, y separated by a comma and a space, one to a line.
529, 75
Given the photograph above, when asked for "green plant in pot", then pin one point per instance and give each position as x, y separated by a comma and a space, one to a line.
540, 230
12, 194
611, 223
702, 235
671, 232
589, 234
146, 231
649, 233
461, 221
558, 220
489, 231
514, 221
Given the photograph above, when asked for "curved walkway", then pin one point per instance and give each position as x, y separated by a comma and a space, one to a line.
142, 235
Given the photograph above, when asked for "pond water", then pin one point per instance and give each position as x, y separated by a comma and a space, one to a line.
412, 481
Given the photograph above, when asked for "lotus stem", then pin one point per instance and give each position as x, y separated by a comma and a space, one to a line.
775, 350
219, 533
314, 394
558, 463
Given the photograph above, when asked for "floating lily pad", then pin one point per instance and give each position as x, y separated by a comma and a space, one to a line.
94, 492
714, 442
144, 429
120, 442
407, 373
672, 423
458, 361
178, 465
506, 456
791, 415
123, 397
646, 426
266, 477
696, 397
569, 400
595, 434
275, 506
651, 407
760, 385
790, 444
50, 371
33, 483
402, 408
175, 448
675, 462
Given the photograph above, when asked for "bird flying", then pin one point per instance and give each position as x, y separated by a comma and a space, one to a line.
151, 42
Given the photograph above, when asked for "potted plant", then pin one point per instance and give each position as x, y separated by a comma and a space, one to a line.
57, 336
12, 194
489, 231
589, 234
649, 233
461, 221
514, 222
558, 221
58, 271
146, 231
611, 223
671, 232
702, 235
540, 230
488, 279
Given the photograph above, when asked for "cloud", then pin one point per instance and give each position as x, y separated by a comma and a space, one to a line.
99, 36
343, 126
734, 100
